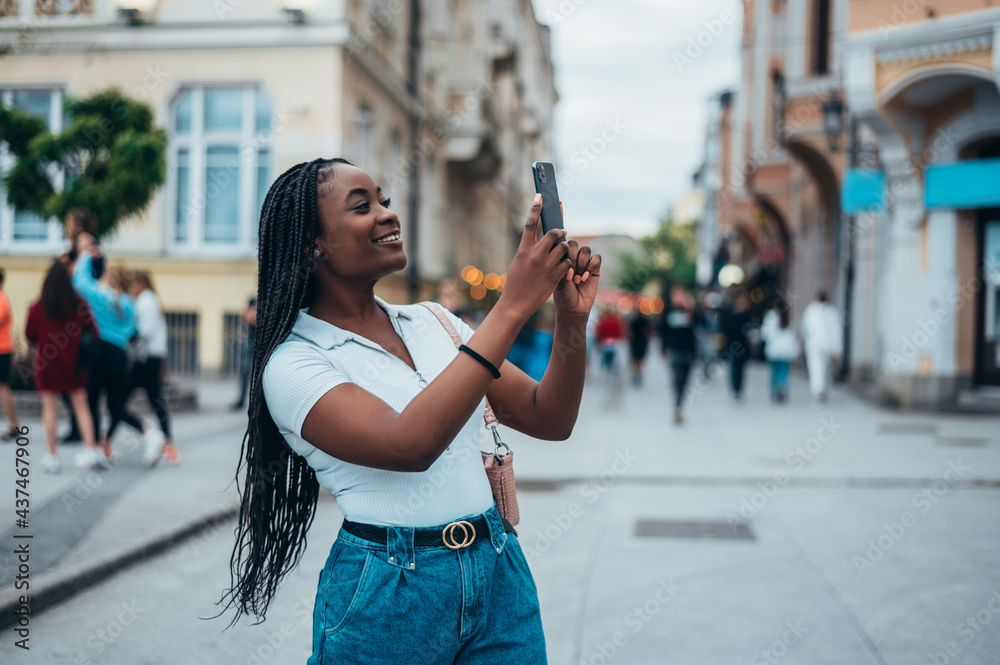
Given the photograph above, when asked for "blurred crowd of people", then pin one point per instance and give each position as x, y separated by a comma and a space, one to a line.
97, 334
721, 330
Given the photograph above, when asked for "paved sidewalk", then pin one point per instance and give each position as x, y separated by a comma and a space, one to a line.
85, 525
751, 534
757, 533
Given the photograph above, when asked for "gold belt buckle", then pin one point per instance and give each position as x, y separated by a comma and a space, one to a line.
468, 535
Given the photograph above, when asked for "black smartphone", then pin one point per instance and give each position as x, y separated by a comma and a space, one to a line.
544, 175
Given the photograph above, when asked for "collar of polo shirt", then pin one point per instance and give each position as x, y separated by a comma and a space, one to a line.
326, 335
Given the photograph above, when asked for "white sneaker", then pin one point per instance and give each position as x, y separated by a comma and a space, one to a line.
50, 464
152, 443
92, 459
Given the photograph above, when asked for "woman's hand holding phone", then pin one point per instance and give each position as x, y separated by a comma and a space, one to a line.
536, 268
578, 289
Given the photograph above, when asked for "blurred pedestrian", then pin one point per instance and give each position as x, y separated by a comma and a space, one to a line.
6, 358
610, 330
707, 334
735, 324
822, 333
536, 360
781, 347
80, 229
249, 317
638, 344
679, 336
591, 334
147, 371
56, 324
114, 313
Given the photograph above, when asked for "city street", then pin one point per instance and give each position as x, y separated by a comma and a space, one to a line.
753, 534
190, 190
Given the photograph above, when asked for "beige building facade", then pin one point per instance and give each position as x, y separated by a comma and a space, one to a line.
904, 97
445, 104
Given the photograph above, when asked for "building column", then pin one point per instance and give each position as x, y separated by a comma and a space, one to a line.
916, 323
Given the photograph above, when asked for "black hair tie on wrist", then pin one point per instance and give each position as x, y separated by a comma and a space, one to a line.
486, 363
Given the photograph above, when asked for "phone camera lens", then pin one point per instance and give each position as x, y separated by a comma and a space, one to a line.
541, 173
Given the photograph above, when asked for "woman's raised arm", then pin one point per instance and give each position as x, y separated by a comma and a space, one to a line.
355, 426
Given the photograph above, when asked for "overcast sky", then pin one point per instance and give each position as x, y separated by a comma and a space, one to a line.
617, 73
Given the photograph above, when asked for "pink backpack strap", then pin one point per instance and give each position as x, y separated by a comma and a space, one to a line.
439, 312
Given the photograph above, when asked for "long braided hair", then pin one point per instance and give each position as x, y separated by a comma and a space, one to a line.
278, 497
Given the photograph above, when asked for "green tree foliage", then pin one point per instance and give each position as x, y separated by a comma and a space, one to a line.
668, 256
111, 157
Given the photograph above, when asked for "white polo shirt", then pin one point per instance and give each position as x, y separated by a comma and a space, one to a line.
316, 356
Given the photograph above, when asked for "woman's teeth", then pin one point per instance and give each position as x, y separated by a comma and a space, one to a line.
394, 236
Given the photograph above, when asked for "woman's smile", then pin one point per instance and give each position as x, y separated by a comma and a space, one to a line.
391, 239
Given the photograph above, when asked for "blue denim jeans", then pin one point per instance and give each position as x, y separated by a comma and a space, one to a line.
403, 605
779, 377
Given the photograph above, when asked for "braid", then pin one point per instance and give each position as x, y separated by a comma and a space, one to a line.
280, 490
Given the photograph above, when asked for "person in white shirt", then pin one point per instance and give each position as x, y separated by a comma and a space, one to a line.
822, 333
781, 347
147, 370
375, 403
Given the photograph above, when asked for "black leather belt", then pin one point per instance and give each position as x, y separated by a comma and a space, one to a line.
456, 535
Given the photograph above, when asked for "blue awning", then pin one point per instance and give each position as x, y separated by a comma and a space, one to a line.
864, 191
971, 184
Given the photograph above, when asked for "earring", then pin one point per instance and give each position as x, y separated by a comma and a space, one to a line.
317, 253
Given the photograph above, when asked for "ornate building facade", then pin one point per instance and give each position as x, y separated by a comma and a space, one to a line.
445, 104
861, 146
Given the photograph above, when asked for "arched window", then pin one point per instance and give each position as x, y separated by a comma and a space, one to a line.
220, 168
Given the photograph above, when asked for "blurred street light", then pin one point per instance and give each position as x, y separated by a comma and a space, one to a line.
730, 275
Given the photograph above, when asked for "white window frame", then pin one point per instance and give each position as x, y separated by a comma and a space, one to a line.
364, 123
248, 142
54, 242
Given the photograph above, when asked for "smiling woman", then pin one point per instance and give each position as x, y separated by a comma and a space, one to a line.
374, 403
